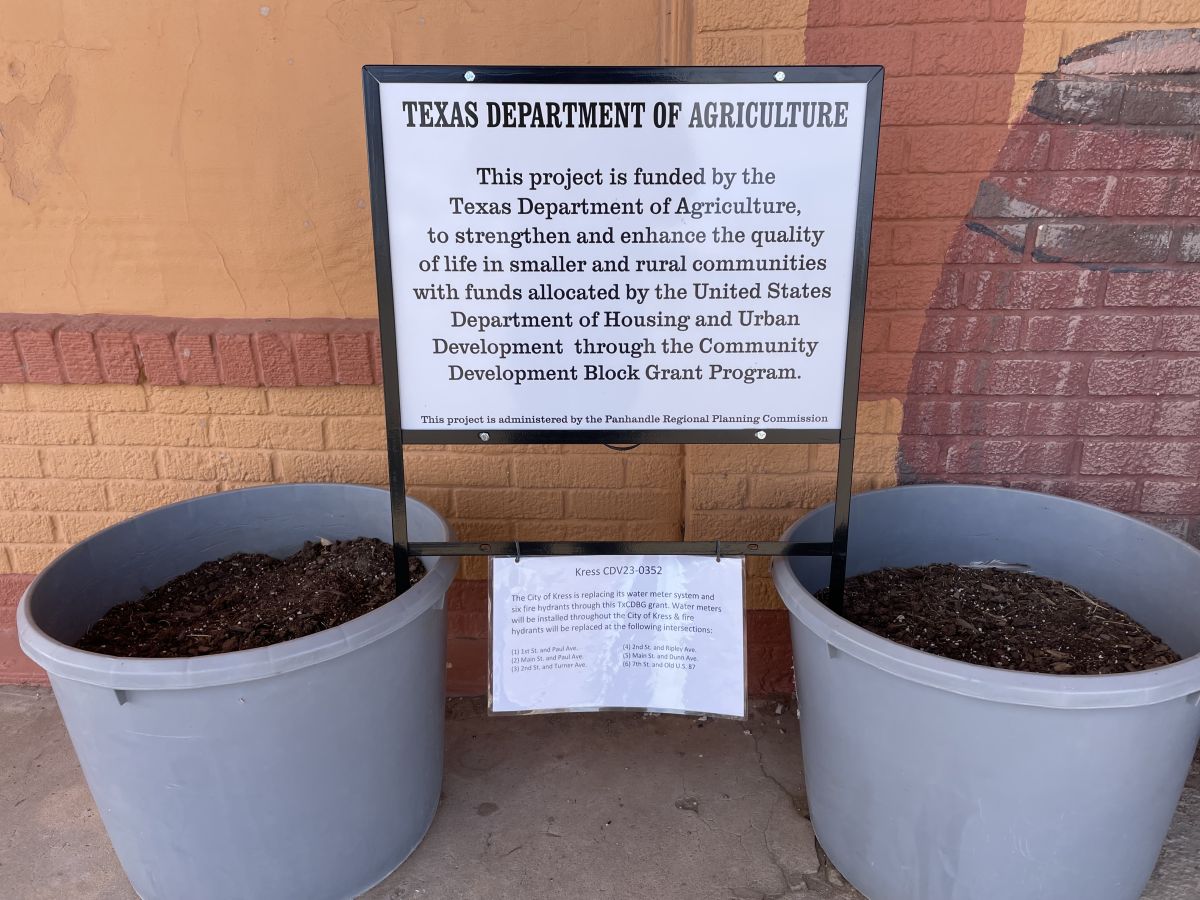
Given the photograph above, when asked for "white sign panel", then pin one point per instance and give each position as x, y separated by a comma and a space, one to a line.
621, 256
662, 633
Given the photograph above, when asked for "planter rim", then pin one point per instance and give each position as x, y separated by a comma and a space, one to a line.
1127, 689
183, 673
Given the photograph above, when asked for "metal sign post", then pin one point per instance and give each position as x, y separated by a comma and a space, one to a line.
537, 230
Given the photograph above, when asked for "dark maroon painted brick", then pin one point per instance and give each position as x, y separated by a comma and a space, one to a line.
1136, 457
1102, 242
1155, 289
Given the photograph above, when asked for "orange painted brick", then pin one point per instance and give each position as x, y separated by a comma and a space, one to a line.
717, 491
99, 462
872, 418
1183, 12
574, 530
454, 469
761, 593
19, 462
85, 397
568, 471
875, 452
925, 196
506, 503
589, 503
267, 432
232, 400
784, 48
733, 459
823, 457
48, 495
791, 491
346, 400
12, 397
356, 432
138, 496
26, 526
954, 148
74, 527
214, 465
440, 499
6, 567
1073, 11
33, 557
735, 15
41, 429
653, 530
652, 471
742, 525
356, 467
729, 50
150, 430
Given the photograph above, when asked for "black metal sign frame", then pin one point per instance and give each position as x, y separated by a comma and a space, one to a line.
397, 437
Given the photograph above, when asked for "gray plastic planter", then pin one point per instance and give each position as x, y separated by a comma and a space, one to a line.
309, 769
930, 779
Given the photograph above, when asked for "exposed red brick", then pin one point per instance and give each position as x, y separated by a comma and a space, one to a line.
965, 417
1109, 417
352, 358
197, 361
376, 358
11, 589
972, 334
1002, 456
157, 355
1009, 377
275, 364
1179, 334
1135, 457
314, 362
77, 350
1050, 333
1158, 288
1051, 418
929, 375
1177, 417
1175, 497
987, 243
11, 370
235, 358
1159, 195
1026, 149
38, 356
1120, 148
118, 358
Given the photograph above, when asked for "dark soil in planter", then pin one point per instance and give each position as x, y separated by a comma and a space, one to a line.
252, 600
1000, 618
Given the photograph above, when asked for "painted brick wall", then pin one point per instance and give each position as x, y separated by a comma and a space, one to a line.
77, 458
1062, 353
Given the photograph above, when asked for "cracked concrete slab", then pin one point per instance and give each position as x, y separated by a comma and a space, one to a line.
539, 807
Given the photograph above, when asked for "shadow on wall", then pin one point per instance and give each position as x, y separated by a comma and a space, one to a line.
1061, 349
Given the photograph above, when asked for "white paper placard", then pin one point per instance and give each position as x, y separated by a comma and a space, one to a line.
622, 256
575, 633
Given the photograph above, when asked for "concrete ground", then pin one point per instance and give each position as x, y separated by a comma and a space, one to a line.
540, 807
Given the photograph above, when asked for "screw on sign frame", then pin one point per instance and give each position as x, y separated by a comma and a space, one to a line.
843, 436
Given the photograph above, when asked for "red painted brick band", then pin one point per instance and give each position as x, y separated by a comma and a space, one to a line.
50, 349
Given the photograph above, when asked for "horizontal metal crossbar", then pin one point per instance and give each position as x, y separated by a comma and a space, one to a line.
618, 548
485, 435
